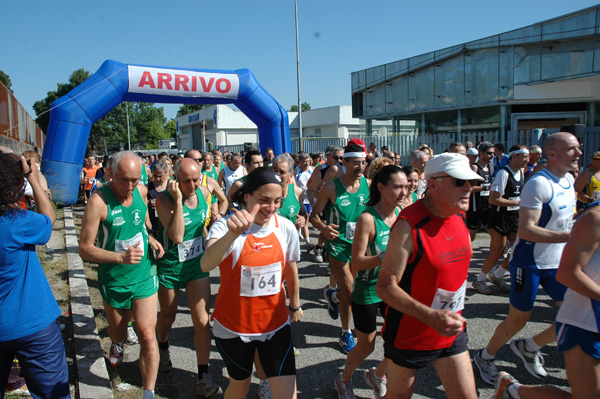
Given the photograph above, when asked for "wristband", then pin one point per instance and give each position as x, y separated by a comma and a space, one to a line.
294, 309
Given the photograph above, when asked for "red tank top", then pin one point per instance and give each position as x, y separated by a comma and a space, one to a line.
435, 275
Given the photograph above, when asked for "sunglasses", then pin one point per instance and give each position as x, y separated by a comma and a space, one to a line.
458, 182
491, 153
338, 158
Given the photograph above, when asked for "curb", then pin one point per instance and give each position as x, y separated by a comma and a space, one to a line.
93, 379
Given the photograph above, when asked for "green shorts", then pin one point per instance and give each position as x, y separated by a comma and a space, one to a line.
120, 296
339, 250
177, 280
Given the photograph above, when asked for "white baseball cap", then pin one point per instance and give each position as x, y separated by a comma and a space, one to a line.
455, 165
472, 151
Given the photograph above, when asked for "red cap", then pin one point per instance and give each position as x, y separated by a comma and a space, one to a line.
358, 142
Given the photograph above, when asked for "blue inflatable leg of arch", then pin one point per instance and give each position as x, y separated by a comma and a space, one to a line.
73, 115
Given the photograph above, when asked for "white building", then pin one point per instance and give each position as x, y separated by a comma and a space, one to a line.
225, 126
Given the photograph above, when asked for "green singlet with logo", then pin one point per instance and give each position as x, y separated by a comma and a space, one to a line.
365, 282
215, 175
290, 206
143, 176
181, 262
124, 226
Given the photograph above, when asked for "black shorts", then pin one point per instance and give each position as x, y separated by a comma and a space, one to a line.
365, 316
276, 355
414, 359
503, 223
476, 219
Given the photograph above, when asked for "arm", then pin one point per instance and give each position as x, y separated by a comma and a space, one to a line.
365, 232
215, 189
234, 188
152, 241
290, 272
326, 195
479, 188
221, 177
311, 186
42, 202
582, 181
584, 241
497, 200
528, 229
301, 217
445, 322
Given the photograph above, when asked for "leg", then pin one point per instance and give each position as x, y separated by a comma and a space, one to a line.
168, 299
507, 329
237, 389
401, 381
364, 347
341, 271
144, 312
456, 374
546, 337
583, 373
497, 244
283, 386
198, 293
117, 322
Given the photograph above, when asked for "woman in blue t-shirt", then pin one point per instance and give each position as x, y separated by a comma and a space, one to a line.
25, 294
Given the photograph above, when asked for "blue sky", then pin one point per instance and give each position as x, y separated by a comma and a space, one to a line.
43, 42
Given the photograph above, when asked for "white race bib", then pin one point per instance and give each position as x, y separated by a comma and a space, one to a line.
450, 300
122, 245
350, 227
565, 224
596, 195
513, 207
91, 180
260, 280
190, 249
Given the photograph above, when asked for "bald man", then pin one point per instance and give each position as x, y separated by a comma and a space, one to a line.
125, 273
218, 202
182, 213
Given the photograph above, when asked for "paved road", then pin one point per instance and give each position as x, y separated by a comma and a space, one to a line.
321, 359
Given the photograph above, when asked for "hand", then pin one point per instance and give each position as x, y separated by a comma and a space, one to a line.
133, 255
330, 232
215, 216
156, 246
300, 221
296, 316
241, 221
173, 188
446, 322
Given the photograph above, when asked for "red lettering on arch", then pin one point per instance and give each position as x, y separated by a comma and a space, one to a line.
206, 88
164, 79
146, 79
227, 85
181, 81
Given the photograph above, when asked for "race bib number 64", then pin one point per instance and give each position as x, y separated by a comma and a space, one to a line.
260, 280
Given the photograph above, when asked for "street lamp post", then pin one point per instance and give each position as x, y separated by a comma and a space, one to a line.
298, 79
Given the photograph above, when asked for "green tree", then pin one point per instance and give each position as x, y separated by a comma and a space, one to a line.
305, 107
189, 108
171, 128
5, 79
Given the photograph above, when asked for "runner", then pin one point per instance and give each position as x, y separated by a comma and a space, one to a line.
479, 204
232, 172
183, 211
252, 160
423, 280
160, 178
303, 174
545, 218
387, 191
292, 194
419, 159
117, 213
346, 196
89, 175
588, 182
256, 251
412, 176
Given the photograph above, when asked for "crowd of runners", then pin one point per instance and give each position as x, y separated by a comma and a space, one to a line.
397, 239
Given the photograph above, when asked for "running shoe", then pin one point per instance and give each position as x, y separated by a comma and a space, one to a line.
332, 307
309, 247
206, 387
487, 368
533, 361
502, 383
498, 282
116, 354
164, 365
482, 287
132, 337
318, 251
264, 390
378, 385
344, 389
347, 341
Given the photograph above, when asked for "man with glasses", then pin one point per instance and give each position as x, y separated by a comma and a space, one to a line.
218, 200
547, 205
479, 204
346, 197
423, 280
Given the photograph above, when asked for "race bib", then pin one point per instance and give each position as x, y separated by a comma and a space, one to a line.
260, 280
122, 245
91, 180
565, 224
190, 249
513, 207
486, 190
450, 300
350, 227
596, 195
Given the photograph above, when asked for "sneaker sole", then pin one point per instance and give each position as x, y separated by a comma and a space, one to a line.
513, 347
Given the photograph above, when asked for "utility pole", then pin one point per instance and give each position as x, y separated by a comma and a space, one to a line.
298, 78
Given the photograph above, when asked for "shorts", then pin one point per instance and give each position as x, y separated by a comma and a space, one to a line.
42, 360
121, 296
178, 281
339, 250
568, 337
365, 316
415, 359
476, 219
276, 355
525, 283
503, 223
308, 208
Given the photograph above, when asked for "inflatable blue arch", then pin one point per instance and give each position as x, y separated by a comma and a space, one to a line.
73, 115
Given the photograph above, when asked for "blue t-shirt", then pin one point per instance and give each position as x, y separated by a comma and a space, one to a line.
27, 304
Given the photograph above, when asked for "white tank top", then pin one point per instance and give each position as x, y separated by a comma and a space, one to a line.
231, 176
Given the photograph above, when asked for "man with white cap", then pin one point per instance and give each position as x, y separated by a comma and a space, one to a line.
472, 154
423, 279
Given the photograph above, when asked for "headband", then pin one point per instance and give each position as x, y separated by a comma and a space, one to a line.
259, 177
519, 151
595, 156
355, 155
